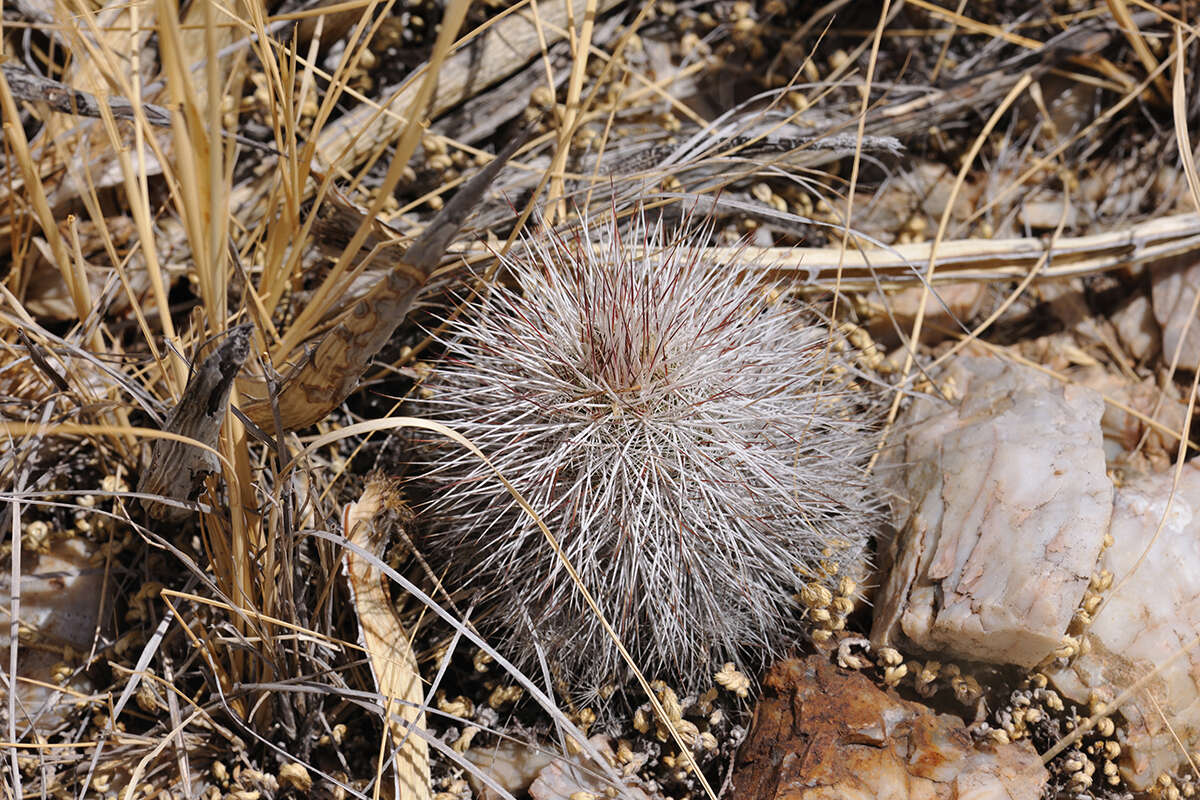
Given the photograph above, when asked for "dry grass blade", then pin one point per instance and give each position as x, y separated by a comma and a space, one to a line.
383, 636
1137, 41
15, 136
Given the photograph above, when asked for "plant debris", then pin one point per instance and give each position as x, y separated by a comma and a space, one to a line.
310, 199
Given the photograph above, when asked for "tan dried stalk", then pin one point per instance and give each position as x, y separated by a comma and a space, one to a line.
382, 634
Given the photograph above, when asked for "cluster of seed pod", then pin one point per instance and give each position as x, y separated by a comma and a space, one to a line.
1170, 787
828, 609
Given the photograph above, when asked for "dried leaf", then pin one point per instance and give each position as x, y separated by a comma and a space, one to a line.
177, 470
393, 663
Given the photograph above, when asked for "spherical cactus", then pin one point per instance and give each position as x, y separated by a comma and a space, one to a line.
692, 439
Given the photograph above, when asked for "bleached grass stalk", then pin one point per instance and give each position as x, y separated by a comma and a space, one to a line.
692, 439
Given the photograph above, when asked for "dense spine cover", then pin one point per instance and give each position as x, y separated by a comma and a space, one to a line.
692, 439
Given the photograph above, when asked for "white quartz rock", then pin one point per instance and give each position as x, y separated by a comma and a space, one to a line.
1151, 613
1137, 328
511, 764
1131, 444
1001, 504
572, 778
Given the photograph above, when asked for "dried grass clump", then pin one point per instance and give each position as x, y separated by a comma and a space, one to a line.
172, 171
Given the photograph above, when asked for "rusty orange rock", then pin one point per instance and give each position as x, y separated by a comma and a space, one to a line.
821, 733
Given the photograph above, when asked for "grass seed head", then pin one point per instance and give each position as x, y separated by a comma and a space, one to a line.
695, 445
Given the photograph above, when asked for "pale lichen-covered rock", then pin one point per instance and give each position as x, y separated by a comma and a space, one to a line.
1137, 328
1001, 504
1151, 613
510, 764
1131, 444
520, 768
950, 306
574, 777
61, 597
822, 733
1044, 212
1173, 283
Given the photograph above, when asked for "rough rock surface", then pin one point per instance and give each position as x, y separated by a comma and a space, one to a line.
951, 307
543, 774
1173, 283
1151, 613
822, 733
572, 778
512, 765
1137, 328
1130, 443
1001, 504
61, 595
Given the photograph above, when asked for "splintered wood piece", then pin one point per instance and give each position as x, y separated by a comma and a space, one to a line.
327, 377
394, 665
177, 470
504, 48
60, 97
26, 85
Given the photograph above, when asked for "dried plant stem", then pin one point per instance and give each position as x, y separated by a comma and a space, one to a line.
326, 378
455, 13
384, 638
15, 135
866, 266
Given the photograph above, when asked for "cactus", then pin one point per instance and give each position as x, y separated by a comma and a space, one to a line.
691, 437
